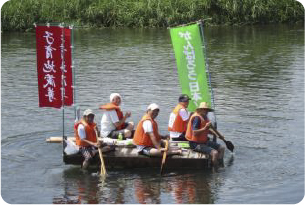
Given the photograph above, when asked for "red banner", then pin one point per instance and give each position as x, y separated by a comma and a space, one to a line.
50, 54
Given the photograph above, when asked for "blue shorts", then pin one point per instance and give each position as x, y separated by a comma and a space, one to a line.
204, 147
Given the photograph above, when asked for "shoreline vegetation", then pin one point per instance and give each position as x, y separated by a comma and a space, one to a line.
20, 15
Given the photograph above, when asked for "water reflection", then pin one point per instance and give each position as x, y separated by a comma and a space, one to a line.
230, 161
79, 188
143, 187
178, 188
113, 190
186, 190
146, 193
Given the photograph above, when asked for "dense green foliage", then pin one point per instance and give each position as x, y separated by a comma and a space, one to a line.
21, 14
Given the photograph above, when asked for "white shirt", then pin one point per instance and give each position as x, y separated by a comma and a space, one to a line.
147, 126
81, 131
107, 122
185, 116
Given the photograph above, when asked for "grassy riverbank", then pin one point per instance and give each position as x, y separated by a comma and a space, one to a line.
21, 14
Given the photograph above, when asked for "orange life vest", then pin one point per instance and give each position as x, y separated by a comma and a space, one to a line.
90, 133
141, 138
112, 106
203, 137
176, 123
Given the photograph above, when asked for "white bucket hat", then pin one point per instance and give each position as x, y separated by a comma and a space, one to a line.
113, 95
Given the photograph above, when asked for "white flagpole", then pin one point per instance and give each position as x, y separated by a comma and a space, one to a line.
212, 114
63, 80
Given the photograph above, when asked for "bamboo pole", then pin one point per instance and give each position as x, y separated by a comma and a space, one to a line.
164, 156
103, 168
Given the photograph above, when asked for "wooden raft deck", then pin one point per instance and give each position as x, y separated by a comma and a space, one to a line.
126, 156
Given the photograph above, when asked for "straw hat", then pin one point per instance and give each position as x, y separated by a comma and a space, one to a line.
204, 105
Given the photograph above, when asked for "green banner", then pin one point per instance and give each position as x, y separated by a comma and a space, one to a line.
189, 55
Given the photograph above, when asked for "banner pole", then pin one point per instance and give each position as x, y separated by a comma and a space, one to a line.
212, 114
206, 62
63, 82
73, 70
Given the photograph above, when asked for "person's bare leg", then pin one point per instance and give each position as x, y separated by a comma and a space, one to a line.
174, 151
155, 152
85, 164
221, 152
214, 157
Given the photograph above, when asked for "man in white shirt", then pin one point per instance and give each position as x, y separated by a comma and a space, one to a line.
113, 122
178, 119
147, 137
86, 137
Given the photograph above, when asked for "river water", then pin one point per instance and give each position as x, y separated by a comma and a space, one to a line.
257, 75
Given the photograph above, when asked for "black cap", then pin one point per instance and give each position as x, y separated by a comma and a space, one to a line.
184, 98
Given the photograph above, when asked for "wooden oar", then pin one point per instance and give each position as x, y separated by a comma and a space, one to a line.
229, 144
164, 156
103, 169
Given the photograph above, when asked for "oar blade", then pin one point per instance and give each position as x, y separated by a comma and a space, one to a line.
230, 145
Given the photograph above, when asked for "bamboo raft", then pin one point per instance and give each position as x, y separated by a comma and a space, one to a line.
125, 155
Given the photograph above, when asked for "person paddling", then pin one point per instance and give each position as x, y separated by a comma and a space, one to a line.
147, 137
197, 134
178, 119
85, 135
113, 122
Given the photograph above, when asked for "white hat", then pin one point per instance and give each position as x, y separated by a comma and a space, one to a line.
113, 95
88, 112
153, 106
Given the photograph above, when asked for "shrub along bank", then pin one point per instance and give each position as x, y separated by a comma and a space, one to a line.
21, 14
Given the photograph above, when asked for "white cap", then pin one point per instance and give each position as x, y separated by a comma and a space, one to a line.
88, 112
113, 95
153, 106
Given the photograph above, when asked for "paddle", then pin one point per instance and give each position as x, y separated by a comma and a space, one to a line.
164, 156
103, 169
229, 144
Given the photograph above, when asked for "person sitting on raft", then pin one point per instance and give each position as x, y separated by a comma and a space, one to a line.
197, 134
85, 132
147, 138
113, 121
178, 119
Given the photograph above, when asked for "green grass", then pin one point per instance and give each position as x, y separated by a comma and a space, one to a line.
21, 14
